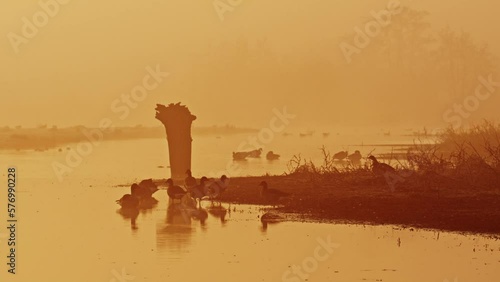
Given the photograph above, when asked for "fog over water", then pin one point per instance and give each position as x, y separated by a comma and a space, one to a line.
260, 56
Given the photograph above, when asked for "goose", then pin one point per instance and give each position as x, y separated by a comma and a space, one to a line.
135, 190
199, 191
175, 192
216, 188
144, 190
148, 187
380, 168
128, 202
340, 155
269, 218
355, 158
271, 194
240, 156
190, 181
272, 156
255, 153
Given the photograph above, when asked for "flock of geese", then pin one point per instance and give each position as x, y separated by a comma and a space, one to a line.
242, 156
141, 194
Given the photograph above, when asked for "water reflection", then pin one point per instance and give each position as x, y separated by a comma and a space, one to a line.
130, 214
218, 211
176, 231
158, 250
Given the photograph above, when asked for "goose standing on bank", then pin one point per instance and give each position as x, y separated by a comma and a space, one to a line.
380, 168
174, 192
271, 194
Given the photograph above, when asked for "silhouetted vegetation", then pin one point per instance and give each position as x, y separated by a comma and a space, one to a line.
470, 157
453, 185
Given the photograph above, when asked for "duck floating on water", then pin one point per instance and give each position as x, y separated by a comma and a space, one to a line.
255, 153
272, 156
240, 156
309, 133
270, 218
128, 201
141, 195
340, 155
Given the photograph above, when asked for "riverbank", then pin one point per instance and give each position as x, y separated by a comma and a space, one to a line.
443, 204
45, 138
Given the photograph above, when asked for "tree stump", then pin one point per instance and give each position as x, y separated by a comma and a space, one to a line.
177, 120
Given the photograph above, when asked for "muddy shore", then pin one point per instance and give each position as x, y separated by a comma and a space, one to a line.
449, 206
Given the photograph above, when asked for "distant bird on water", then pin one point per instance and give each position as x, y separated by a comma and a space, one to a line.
174, 192
340, 155
380, 168
190, 181
255, 153
240, 156
272, 156
271, 194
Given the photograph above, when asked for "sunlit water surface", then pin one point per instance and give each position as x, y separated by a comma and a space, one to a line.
71, 230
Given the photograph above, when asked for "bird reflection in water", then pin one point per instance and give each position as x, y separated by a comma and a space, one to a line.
140, 199
175, 232
179, 214
130, 214
218, 211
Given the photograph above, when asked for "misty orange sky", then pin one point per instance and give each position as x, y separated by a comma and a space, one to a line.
263, 55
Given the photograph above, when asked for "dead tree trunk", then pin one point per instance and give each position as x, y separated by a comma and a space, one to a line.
177, 120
